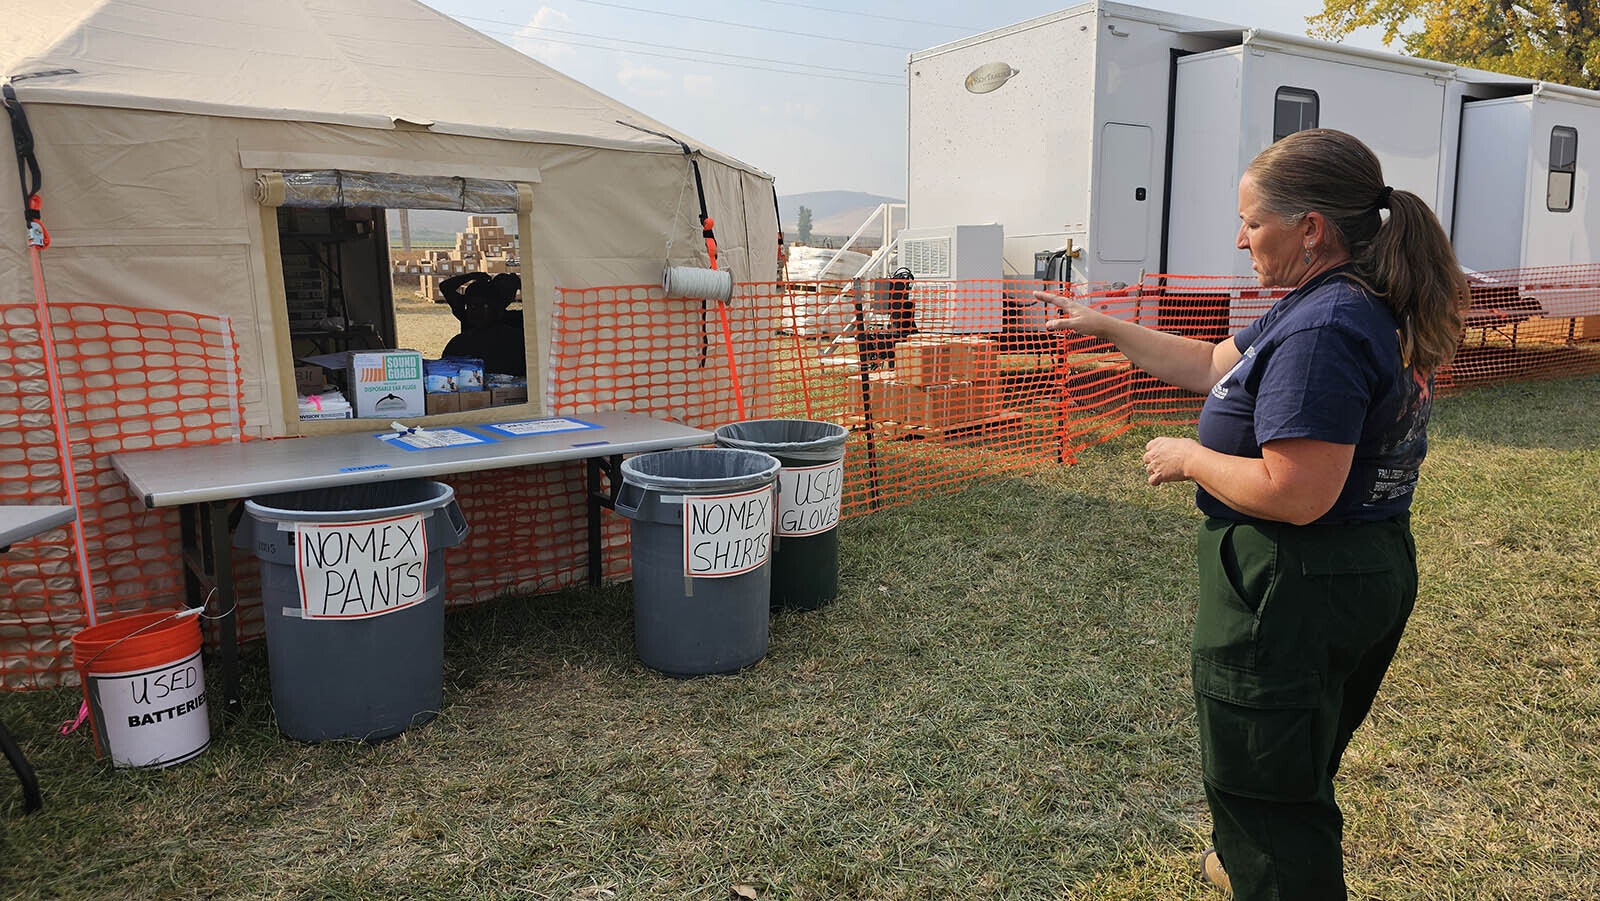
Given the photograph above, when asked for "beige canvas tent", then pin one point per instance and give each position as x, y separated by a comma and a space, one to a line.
190, 150
174, 134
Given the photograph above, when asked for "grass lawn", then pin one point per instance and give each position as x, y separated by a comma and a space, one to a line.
997, 706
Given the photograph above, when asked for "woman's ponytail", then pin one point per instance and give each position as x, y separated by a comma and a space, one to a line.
1411, 265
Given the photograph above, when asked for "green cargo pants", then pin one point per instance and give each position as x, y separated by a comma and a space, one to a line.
1295, 629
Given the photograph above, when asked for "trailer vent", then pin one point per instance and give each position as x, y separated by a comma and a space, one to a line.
958, 271
926, 257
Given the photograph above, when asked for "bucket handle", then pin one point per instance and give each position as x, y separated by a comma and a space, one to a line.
176, 614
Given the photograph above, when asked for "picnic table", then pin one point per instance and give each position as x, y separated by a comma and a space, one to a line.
208, 483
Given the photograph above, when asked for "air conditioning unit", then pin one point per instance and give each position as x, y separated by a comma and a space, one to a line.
958, 270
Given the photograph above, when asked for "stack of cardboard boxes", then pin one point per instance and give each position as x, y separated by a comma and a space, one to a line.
483, 247
939, 383
394, 384
489, 239
457, 401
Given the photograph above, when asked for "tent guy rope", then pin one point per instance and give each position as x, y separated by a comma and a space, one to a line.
39, 239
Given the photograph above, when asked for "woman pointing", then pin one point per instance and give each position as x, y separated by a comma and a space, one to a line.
1310, 439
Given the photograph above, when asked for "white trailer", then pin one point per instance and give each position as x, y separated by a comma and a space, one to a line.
1119, 134
1523, 198
1232, 103
1055, 128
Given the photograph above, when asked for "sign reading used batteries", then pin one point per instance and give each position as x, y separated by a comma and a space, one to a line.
351, 570
808, 498
726, 534
152, 717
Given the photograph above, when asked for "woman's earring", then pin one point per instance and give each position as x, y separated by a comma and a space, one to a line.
1308, 254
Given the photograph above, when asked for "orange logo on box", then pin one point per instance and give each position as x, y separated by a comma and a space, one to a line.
372, 374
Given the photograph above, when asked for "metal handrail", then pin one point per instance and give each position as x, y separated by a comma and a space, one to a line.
883, 209
886, 249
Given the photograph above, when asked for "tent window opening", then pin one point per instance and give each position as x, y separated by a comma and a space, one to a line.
1294, 109
1563, 169
370, 267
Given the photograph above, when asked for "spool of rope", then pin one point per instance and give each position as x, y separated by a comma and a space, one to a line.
689, 281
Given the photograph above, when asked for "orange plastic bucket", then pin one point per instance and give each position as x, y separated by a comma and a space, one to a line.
145, 688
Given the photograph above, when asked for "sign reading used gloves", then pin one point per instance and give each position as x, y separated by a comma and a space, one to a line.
809, 498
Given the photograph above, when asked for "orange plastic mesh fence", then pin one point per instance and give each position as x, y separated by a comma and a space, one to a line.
980, 389
1521, 323
1529, 323
529, 533
131, 380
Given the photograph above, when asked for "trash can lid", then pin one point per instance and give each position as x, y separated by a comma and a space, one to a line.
798, 439
698, 470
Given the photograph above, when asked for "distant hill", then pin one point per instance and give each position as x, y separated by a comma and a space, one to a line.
832, 212
440, 226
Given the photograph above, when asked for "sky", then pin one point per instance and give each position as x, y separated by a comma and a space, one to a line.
811, 91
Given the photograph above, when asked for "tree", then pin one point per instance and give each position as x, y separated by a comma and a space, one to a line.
805, 225
1551, 40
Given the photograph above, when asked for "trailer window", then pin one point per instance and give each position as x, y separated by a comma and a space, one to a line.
1294, 109
1563, 169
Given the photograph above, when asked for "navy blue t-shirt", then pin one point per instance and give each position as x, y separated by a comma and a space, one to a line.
1324, 363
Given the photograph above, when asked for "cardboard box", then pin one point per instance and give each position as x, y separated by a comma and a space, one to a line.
325, 414
1559, 331
932, 406
386, 384
1545, 331
975, 359
985, 398
476, 400
876, 382
924, 361
443, 402
500, 397
309, 378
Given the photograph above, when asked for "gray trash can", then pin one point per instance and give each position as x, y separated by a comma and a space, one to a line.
352, 591
701, 532
805, 560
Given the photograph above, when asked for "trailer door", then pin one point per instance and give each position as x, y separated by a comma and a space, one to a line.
1493, 183
1123, 205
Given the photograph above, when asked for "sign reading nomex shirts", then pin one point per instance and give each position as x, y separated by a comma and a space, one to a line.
726, 534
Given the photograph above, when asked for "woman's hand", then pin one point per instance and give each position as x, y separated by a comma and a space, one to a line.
1167, 459
1070, 314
